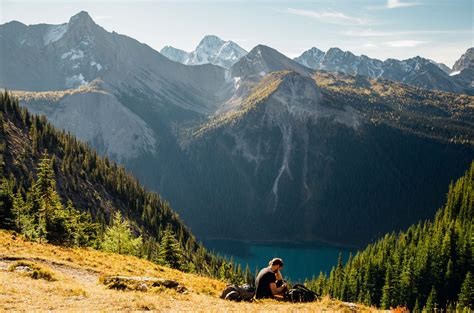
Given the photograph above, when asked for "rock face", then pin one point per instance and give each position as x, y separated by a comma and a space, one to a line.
99, 118
415, 71
463, 69
465, 62
211, 49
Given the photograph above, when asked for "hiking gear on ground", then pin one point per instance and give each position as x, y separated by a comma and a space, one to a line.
300, 293
238, 293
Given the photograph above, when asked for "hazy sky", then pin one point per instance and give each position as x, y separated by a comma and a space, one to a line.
438, 29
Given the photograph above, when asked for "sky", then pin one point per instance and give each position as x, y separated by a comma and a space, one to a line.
441, 30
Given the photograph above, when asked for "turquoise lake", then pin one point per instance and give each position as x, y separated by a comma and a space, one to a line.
301, 260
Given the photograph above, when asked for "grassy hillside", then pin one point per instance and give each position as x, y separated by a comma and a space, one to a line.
76, 287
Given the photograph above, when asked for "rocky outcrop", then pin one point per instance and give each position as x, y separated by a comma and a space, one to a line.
134, 283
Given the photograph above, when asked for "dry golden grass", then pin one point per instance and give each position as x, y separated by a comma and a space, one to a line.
53, 96
76, 287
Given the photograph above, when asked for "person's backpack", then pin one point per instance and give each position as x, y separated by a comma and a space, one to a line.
238, 293
300, 293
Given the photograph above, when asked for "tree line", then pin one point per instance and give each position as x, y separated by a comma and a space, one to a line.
429, 267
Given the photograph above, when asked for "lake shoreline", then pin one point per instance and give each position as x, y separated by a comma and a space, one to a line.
282, 242
304, 259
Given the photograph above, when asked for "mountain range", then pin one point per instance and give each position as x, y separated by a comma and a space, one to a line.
416, 71
243, 148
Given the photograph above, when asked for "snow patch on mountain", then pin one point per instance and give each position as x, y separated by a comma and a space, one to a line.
54, 33
73, 54
97, 65
75, 81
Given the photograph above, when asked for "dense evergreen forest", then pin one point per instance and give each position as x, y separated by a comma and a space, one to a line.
54, 188
430, 266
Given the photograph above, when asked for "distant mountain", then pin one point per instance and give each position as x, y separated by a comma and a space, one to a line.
463, 69
268, 141
211, 50
465, 61
107, 69
58, 57
415, 71
262, 60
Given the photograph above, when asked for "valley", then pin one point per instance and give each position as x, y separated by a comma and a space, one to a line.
316, 153
142, 171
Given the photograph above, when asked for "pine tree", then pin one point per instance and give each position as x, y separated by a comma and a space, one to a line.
466, 295
118, 237
49, 207
387, 300
170, 252
432, 302
249, 279
23, 218
416, 307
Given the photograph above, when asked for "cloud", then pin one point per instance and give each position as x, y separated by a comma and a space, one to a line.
393, 4
368, 33
374, 33
369, 45
331, 17
404, 43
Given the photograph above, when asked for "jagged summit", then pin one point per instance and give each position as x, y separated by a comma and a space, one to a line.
211, 49
211, 40
81, 18
465, 61
310, 58
262, 60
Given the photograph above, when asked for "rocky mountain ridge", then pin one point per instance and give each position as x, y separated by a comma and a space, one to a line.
211, 49
416, 71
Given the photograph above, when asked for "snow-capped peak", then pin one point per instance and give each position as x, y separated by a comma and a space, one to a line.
211, 49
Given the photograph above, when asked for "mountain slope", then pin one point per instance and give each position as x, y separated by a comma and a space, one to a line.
303, 158
93, 184
422, 267
85, 52
211, 49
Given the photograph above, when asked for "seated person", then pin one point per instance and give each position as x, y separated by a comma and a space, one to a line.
269, 282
